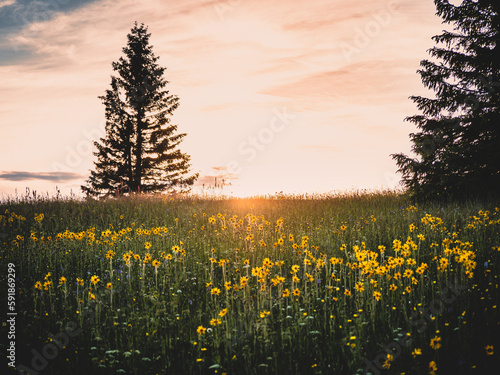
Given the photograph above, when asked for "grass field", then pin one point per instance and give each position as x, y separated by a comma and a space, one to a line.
359, 283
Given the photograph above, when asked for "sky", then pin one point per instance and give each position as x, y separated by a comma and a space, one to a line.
292, 96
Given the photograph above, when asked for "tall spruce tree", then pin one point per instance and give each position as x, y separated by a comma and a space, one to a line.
139, 152
458, 145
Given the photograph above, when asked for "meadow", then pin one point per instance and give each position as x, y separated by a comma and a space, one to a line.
349, 284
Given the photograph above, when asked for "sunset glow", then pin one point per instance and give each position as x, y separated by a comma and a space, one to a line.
276, 96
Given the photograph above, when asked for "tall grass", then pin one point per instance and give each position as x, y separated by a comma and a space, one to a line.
364, 282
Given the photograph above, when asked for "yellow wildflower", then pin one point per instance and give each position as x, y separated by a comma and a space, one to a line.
416, 351
94, 279
435, 342
215, 322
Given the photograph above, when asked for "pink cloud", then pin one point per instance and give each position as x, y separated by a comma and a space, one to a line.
368, 82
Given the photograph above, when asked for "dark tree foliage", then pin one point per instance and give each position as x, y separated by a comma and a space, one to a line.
458, 143
140, 150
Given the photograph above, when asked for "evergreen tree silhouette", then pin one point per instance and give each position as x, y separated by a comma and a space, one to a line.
458, 143
139, 152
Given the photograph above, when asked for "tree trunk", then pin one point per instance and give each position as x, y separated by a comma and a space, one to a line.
138, 152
